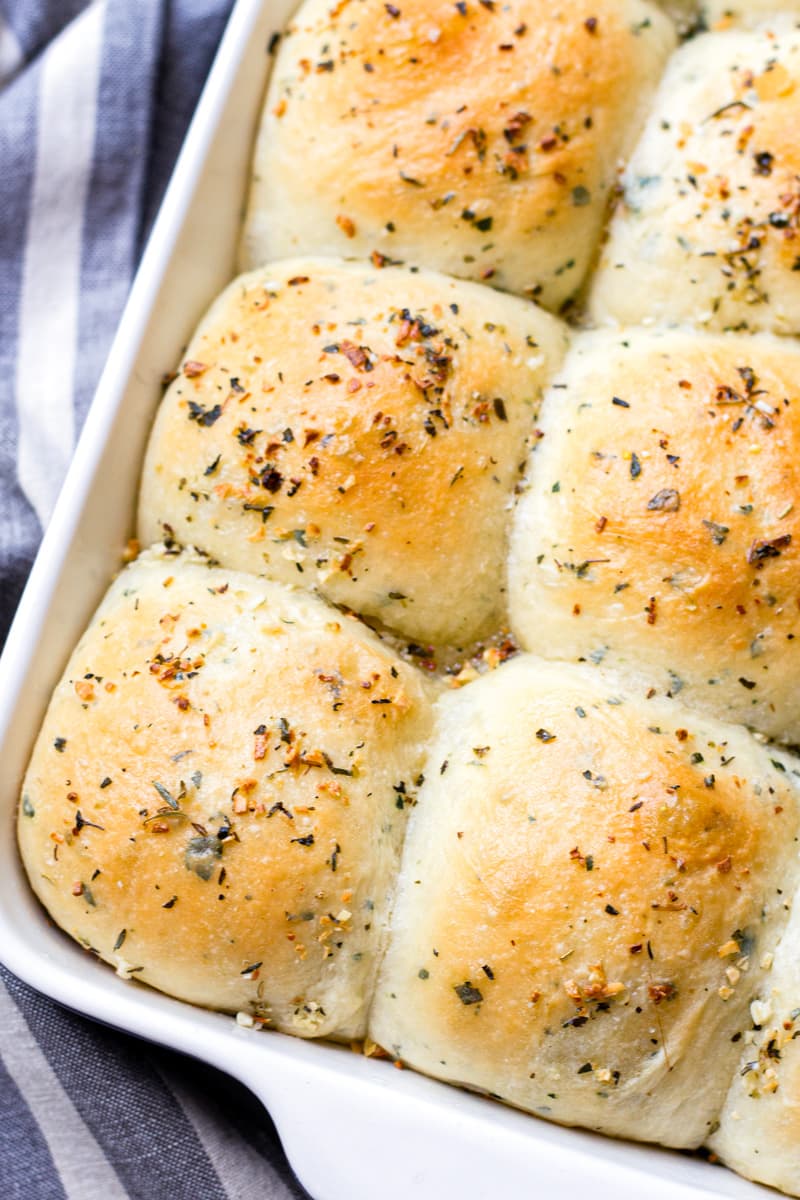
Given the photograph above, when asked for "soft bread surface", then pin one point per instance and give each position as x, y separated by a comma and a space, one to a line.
759, 1131
708, 230
659, 533
215, 802
358, 431
481, 139
587, 888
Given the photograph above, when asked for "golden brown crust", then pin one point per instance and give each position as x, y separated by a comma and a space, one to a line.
359, 432
709, 227
660, 531
215, 802
587, 888
478, 138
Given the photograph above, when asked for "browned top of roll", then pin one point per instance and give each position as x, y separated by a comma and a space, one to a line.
588, 886
358, 431
480, 138
660, 531
215, 802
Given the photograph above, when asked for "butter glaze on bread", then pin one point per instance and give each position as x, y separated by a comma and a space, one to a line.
578, 877
215, 803
358, 431
659, 534
480, 139
709, 227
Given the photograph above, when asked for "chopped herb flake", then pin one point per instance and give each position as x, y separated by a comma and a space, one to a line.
165, 795
468, 994
202, 855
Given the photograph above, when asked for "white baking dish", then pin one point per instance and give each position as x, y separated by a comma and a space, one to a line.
353, 1128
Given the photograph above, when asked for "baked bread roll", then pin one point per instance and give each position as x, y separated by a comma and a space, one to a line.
216, 801
479, 138
709, 227
358, 431
759, 1128
587, 890
728, 14
660, 534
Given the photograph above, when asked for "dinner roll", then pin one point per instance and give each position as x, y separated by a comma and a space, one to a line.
480, 138
728, 14
579, 876
759, 1131
216, 801
358, 431
660, 531
709, 227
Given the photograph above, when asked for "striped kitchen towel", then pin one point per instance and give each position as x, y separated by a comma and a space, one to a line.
95, 96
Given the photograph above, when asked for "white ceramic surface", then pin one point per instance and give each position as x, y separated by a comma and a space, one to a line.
354, 1129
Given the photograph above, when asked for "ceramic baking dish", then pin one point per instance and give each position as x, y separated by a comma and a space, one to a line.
353, 1128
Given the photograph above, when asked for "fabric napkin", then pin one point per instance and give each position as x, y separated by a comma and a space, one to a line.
95, 97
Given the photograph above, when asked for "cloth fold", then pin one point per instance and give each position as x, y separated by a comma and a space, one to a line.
95, 98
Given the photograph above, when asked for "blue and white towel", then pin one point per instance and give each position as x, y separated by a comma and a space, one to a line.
95, 97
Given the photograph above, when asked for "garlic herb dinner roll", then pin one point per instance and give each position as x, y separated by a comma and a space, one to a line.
215, 803
587, 891
659, 533
708, 230
357, 431
478, 138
